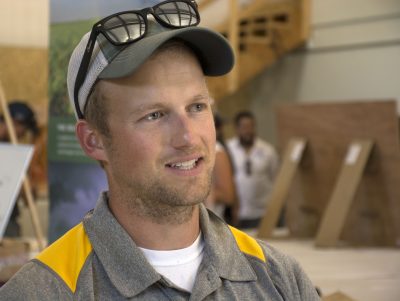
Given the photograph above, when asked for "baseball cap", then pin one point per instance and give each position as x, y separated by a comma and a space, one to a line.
109, 61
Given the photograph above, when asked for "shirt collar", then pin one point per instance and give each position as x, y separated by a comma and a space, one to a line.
124, 263
127, 267
221, 249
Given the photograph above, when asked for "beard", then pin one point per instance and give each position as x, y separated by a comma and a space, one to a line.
159, 198
164, 203
246, 141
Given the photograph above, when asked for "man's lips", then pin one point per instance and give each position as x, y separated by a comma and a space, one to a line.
185, 163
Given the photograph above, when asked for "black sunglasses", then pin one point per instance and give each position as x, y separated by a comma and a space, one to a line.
130, 26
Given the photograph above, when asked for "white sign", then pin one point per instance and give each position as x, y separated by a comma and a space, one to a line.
297, 151
14, 161
353, 153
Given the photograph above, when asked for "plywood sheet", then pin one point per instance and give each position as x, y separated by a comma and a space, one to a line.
24, 74
374, 217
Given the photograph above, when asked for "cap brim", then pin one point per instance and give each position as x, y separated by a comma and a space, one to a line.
212, 49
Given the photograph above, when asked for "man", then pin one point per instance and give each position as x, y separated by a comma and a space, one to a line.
255, 162
145, 116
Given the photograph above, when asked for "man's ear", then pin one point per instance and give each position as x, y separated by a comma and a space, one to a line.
90, 141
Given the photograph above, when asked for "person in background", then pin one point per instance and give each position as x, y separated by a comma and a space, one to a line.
26, 130
223, 193
137, 83
255, 163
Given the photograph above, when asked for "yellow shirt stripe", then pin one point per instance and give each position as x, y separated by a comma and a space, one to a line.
67, 255
248, 244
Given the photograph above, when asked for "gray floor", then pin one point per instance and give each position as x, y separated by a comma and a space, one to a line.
364, 274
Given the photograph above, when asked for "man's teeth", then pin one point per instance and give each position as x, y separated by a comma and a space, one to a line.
185, 165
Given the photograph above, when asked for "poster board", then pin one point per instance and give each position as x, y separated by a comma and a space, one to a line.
330, 128
14, 162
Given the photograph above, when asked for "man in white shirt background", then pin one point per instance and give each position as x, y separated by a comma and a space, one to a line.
255, 163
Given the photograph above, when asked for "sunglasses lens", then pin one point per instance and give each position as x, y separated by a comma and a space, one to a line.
125, 28
177, 14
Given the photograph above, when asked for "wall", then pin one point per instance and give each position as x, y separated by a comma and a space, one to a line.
353, 54
23, 52
24, 23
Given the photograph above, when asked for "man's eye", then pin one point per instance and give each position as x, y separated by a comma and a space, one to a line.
154, 116
198, 107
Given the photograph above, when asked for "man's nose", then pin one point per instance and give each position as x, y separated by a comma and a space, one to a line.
183, 132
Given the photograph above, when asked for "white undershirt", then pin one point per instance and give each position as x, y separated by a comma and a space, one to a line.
178, 266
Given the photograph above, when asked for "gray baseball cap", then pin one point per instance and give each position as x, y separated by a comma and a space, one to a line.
108, 61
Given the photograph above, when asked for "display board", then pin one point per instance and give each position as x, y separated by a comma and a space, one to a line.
14, 161
75, 181
330, 129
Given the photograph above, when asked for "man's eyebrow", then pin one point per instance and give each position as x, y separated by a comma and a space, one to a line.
149, 107
160, 105
201, 97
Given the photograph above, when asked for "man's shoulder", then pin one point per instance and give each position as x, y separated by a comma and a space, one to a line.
55, 270
287, 274
261, 250
273, 265
67, 256
34, 281
248, 245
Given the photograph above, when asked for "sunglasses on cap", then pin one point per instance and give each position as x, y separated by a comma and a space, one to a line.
127, 27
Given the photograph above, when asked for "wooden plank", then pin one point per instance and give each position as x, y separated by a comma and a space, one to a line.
291, 159
264, 41
19, 65
338, 207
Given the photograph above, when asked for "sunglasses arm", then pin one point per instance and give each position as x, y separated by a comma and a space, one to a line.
83, 68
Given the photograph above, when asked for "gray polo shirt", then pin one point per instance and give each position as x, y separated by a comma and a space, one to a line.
97, 260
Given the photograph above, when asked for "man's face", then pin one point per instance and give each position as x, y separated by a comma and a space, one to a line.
246, 131
20, 128
162, 144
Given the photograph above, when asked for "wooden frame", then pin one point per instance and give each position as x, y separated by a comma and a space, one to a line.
339, 205
276, 202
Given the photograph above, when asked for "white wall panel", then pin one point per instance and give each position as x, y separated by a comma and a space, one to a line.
325, 11
24, 23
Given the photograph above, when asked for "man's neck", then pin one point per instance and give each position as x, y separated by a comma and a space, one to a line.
150, 234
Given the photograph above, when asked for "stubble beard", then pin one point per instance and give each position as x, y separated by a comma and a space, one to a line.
165, 204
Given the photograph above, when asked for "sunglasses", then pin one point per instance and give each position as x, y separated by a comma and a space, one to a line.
126, 27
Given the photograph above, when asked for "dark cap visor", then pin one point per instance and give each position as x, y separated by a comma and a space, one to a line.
212, 49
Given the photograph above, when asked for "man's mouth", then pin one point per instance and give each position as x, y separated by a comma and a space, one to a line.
185, 165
